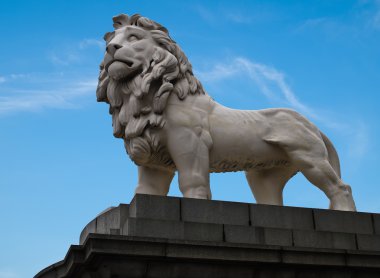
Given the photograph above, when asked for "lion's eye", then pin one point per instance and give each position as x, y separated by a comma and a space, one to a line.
133, 38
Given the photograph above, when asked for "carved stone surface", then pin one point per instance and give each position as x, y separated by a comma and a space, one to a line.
169, 123
134, 242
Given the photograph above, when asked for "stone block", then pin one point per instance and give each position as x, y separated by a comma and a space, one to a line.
369, 242
90, 228
324, 273
155, 207
281, 217
203, 231
217, 212
108, 219
332, 240
210, 251
257, 235
305, 256
376, 223
107, 222
363, 259
153, 228
275, 272
143, 227
198, 270
343, 221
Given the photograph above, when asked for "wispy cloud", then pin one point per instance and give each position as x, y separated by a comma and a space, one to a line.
222, 15
312, 23
92, 42
204, 13
273, 85
62, 94
376, 16
264, 76
60, 88
238, 17
63, 59
74, 53
8, 274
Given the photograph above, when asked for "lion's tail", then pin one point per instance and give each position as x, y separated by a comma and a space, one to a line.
333, 155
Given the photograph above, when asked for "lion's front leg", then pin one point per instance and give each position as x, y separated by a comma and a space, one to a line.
191, 157
153, 181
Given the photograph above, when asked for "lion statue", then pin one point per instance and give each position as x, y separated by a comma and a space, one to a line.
169, 123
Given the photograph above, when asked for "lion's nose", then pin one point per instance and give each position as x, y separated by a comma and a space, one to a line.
112, 47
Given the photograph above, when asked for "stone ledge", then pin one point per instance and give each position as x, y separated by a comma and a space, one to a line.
158, 207
173, 229
343, 221
281, 217
150, 215
180, 258
217, 212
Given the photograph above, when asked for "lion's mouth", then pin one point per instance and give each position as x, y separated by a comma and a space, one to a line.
122, 68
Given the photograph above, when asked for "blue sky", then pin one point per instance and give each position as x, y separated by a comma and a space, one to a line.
59, 163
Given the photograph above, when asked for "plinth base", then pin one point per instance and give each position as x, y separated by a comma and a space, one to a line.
174, 237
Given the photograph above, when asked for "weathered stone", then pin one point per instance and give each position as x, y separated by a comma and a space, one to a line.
369, 242
376, 223
315, 239
224, 252
90, 228
108, 222
306, 256
218, 212
363, 259
281, 217
257, 235
343, 221
173, 229
203, 231
274, 273
200, 135
196, 270
155, 207
153, 228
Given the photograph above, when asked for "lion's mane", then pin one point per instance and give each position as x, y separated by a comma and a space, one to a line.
137, 111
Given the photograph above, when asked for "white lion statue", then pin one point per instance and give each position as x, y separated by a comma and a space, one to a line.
169, 123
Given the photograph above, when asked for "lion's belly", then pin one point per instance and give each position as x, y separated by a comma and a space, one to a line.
238, 142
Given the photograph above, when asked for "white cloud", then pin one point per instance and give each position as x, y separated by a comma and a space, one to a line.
314, 22
238, 18
73, 53
63, 59
376, 20
272, 84
204, 13
8, 274
57, 96
360, 140
2, 79
264, 76
92, 42
19, 75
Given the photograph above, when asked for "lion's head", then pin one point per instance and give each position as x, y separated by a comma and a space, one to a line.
142, 66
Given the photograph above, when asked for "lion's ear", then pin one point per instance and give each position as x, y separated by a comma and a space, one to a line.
120, 21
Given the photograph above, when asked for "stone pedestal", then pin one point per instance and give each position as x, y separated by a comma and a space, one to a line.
177, 237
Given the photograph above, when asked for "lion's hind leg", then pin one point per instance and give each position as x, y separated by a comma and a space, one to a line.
313, 161
320, 173
267, 185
